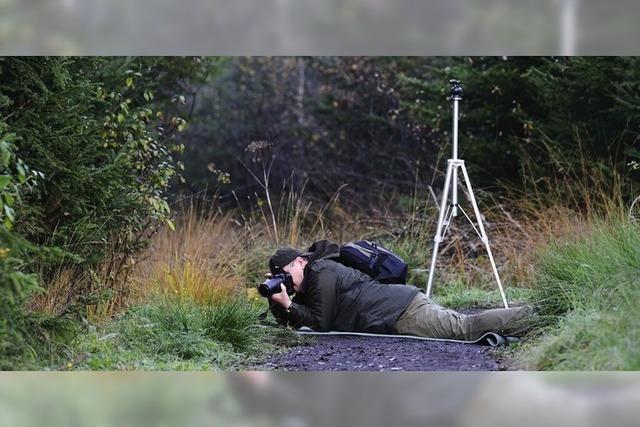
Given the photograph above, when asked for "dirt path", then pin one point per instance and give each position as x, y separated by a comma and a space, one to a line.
356, 353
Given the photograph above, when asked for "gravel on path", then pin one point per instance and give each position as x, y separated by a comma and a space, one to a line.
357, 353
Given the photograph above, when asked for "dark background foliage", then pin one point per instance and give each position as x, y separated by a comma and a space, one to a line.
383, 124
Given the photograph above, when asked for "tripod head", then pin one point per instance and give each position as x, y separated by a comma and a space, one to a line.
456, 89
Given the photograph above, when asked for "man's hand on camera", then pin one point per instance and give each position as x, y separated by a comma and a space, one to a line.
282, 297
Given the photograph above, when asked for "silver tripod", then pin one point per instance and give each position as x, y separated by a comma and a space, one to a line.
450, 210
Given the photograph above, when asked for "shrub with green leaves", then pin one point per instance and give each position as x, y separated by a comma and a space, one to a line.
99, 135
15, 285
106, 164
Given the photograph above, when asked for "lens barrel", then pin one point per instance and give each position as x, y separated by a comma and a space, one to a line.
271, 286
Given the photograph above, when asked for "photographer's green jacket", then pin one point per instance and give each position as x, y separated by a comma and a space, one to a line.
339, 298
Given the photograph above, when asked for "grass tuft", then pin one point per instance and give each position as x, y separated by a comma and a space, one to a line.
178, 334
587, 297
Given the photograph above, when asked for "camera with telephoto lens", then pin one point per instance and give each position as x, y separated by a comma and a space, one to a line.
271, 286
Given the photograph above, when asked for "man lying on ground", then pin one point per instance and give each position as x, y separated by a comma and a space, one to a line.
332, 296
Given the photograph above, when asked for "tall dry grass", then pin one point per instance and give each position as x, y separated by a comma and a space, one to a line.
55, 296
90, 293
578, 196
203, 259
211, 257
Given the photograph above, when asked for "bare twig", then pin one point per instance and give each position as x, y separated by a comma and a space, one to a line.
258, 146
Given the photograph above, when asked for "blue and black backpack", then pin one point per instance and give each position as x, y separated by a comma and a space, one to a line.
375, 260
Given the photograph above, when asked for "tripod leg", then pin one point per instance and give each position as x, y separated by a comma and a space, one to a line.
447, 221
484, 237
438, 237
454, 194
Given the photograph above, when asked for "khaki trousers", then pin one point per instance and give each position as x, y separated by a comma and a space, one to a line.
424, 318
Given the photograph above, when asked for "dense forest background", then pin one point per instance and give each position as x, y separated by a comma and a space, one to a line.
387, 121
97, 155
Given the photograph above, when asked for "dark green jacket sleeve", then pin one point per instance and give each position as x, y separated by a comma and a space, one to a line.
320, 305
281, 314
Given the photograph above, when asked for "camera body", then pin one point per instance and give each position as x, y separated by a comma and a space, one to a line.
271, 286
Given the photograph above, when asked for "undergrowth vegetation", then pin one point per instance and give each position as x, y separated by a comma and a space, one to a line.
191, 302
